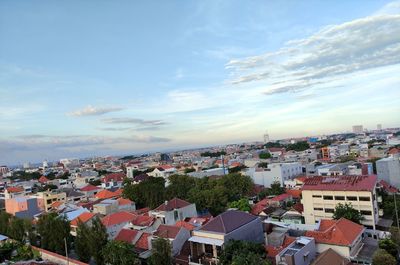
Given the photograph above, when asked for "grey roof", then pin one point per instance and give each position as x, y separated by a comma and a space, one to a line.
228, 221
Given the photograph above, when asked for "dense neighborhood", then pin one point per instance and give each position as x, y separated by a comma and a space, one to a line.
308, 201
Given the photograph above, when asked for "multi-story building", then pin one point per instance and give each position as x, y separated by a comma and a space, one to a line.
275, 172
48, 197
320, 196
388, 169
358, 129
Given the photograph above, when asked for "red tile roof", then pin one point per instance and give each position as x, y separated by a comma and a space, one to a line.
295, 193
342, 183
56, 204
119, 192
143, 242
143, 220
165, 167
172, 204
387, 187
340, 232
298, 207
113, 177
186, 225
167, 231
89, 187
43, 179
15, 189
122, 201
106, 194
281, 197
273, 251
394, 151
127, 235
117, 218
260, 206
84, 217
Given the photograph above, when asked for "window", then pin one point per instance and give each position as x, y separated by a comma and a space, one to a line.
351, 198
176, 215
318, 209
339, 198
327, 210
317, 196
328, 197
364, 199
366, 212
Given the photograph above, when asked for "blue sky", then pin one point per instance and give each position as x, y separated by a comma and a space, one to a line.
81, 78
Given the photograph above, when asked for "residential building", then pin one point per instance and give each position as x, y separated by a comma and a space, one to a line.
299, 252
358, 129
116, 221
174, 210
113, 180
330, 257
207, 243
388, 169
23, 207
275, 172
84, 218
48, 197
320, 196
176, 235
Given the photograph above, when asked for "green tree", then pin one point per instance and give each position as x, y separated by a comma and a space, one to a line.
273, 145
148, 193
390, 246
264, 155
382, 257
189, 170
97, 240
347, 211
119, 253
82, 241
242, 205
17, 229
237, 185
274, 189
161, 252
240, 252
299, 146
179, 186
4, 222
24, 252
53, 230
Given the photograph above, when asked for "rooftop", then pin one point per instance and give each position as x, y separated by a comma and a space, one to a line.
172, 204
228, 221
342, 183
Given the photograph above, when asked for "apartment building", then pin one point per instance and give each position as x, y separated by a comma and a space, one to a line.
48, 197
275, 172
322, 194
388, 169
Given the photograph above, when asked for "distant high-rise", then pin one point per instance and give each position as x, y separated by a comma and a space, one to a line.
358, 129
266, 137
45, 164
379, 127
26, 165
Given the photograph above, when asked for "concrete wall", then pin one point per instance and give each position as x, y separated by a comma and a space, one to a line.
56, 258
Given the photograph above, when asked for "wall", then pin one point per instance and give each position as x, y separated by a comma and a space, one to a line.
56, 258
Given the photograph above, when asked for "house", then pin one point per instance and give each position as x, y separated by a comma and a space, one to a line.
116, 221
330, 257
73, 195
294, 215
300, 252
109, 206
23, 207
259, 207
280, 200
113, 180
143, 223
106, 194
320, 196
174, 210
163, 171
84, 178
274, 173
129, 236
207, 242
175, 234
343, 236
48, 197
13, 192
141, 177
143, 245
89, 190
85, 218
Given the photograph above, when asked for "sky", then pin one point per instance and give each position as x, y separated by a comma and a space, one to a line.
85, 78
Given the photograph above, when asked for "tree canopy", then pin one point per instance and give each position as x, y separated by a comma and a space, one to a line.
299, 146
381, 256
53, 230
347, 211
161, 252
148, 193
264, 155
242, 205
119, 253
237, 252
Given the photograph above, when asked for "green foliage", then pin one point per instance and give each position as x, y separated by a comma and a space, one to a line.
264, 155
382, 257
273, 145
389, 245
189, 170
242, 252
53, 229
324, 143
17, 229
22, 175
6, 250
299, 146
148, 193
275, 189
347, 211
263, 165
82, 242
213, 154
242, 205
236, 169
4, 222
119, 253
179, 186
347, 158
161, 252
24, 252
97, 240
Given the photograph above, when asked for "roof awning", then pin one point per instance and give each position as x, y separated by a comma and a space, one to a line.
206, 240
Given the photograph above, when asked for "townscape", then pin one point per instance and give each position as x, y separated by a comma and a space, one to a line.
327, 199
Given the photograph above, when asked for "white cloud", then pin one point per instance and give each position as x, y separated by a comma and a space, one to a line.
94, 111
134, 121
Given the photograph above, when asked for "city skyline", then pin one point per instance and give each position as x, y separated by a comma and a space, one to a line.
75, 82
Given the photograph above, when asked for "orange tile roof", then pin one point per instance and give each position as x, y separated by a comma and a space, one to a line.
122, 201
106, 194
186, 225
84, 217
89, 187
15, 189
260, 206
273, 251
143, 242
56, 204
43, 179
143, 220
119, 192
336, 232
294, 193
281, 197
117, 218
127, 235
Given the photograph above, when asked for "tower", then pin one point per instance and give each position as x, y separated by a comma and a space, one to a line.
266, 137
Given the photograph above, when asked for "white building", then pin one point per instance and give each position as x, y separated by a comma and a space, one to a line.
275, 172
388, 169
